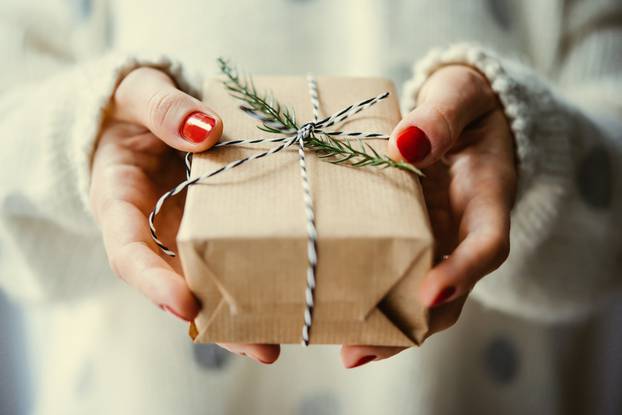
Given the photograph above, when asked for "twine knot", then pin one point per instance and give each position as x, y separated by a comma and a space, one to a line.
306, 130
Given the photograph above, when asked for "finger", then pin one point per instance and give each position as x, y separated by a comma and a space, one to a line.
486, 223
354, 356
262, 353
451, 98
445, 315
149, 97
482, 190
133, 257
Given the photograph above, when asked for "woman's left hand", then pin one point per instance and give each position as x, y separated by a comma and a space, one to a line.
459, 136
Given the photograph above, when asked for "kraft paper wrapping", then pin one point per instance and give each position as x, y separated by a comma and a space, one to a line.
242, 240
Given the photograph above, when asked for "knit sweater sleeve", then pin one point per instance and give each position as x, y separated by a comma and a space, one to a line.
565, 256
50, 117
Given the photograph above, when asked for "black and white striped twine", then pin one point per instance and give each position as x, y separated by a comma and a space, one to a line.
292, 137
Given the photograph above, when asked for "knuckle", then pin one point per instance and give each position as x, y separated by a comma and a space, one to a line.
479, 86
501, 248
444, 116
161, 105
123, 262
101, 203
472, 164
105, 194
114, 261
106, 203
471, 76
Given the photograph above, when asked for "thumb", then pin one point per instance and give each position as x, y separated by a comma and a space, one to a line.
148, 97
451, 98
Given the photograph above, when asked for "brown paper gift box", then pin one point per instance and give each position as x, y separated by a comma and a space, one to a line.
242, 240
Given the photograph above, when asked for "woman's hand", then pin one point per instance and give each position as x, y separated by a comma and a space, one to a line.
136, 161
459, 136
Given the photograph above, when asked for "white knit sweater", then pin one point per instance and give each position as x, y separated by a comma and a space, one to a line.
555, 66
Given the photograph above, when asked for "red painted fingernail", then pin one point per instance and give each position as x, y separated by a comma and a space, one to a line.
443, 296
413, 144
363, 360
196, 127
173, 312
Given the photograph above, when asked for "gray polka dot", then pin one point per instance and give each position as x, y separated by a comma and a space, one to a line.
501, 360
319, 403
499, 10
210, 356
594, 178
16, 203
83, 8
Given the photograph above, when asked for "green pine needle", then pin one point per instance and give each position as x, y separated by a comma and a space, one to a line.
326, 147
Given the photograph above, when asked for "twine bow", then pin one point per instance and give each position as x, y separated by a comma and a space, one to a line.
294, 136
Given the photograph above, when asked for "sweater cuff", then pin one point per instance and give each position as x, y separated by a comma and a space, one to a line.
96, 83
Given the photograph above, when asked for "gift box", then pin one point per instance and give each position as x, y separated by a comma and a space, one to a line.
243, 237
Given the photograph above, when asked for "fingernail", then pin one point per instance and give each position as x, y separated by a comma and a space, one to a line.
173, 312
363, 360
264, 362
443, 296
197, 127
413, 144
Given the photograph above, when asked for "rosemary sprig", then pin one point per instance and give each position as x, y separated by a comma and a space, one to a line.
343, 151
278, 118
244, 89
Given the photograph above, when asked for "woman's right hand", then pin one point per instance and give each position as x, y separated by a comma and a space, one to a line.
137, 159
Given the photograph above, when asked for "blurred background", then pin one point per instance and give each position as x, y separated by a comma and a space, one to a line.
587, 367
15, 386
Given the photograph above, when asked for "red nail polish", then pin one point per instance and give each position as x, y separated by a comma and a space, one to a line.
173, 312
263, 362
443, 296
413, 144
196, 127
363, 360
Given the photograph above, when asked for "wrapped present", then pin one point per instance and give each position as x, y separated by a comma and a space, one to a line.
244, 240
